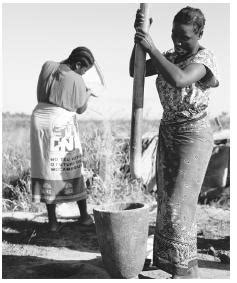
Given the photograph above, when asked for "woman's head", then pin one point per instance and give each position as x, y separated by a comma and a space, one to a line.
81, 60
189, 15
188, 25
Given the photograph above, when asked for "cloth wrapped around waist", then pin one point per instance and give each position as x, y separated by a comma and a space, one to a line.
56, 153
56, 149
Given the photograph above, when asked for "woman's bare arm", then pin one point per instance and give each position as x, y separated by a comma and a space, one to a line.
150, 69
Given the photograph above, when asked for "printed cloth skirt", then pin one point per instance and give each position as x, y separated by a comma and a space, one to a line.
184, 150
56, 155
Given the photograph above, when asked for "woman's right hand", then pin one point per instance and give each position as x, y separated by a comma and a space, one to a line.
140, 18
90, 93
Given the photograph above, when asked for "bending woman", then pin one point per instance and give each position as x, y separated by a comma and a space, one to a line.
185, 76
56, 153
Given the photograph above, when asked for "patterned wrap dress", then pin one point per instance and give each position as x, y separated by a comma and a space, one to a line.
184, 148
56, 153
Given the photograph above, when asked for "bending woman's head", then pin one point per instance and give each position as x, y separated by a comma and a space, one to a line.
188, 25
194, 16
80, 60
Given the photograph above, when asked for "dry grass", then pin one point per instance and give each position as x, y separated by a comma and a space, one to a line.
102, 143
103, 156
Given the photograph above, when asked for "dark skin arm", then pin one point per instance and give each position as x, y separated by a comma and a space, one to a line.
150, 68
181, 77
83, 108
173, 74
158, 63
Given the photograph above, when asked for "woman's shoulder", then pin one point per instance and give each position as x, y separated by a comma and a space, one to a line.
49, 66
206, 57
170, 53
50, 63
205, 53
69, 77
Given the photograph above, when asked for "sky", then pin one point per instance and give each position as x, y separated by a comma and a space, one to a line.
33, 33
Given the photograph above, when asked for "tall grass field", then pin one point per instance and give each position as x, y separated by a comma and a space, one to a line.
104, 155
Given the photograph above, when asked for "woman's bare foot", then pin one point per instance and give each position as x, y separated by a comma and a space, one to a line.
56, 227
85, 220
53, 226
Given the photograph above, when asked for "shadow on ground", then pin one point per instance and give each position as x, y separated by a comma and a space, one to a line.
32, 233
213, 265
48, 269
217, 244
29, 232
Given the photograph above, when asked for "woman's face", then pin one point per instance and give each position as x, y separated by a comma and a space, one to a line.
184, 38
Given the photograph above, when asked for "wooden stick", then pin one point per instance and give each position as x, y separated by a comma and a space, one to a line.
137, 103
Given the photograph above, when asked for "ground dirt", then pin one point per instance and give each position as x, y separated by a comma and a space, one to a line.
30, 251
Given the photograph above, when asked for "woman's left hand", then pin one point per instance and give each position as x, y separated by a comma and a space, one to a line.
145, 40
140, 19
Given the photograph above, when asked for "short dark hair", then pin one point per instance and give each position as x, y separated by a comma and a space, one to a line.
83, 55
189, 15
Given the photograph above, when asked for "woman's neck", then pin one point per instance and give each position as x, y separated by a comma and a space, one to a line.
65, 66
186, 56
195, 50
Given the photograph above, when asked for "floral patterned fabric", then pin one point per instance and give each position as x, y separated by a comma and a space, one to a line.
184, 148
190, 102
183, 154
